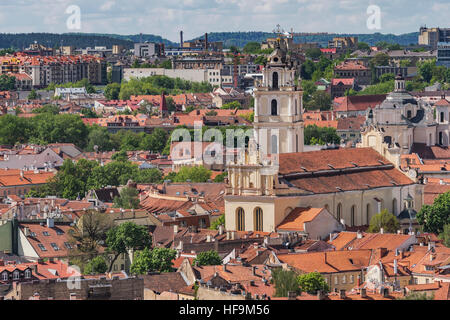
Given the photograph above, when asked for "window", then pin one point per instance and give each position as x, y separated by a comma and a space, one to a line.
339, 212
54, 246
68, 245
368, 214
274, 144
394, 206
240, 219
42, 247
275, 80
442, 117
258, 219
59, 232
353, 218
336, 280
5, 276
16, 275
344, 280
352, 278
27, 274
45, 233
274, 107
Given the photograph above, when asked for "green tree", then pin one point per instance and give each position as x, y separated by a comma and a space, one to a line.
99, 138
156, 260
96, 266
232, 105
321, 100
33, 95
129, 199
417, 296
7, 83
445, 235
387, 77
218, 222
221, 177
112, 91
208, 258
380, 59
433, 218
285, 281
313, 53
252, 47
425, 69
312, 283
195, 174
385, 220
13, 130
363, 46
124, 237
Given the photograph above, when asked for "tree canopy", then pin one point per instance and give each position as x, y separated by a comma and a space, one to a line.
385, 220
433, 218
156, 260
208, 258
312, 283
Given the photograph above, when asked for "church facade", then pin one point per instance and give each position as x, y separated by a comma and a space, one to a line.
399, 122
352, 184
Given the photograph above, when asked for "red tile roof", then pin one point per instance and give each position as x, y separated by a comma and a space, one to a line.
296, 220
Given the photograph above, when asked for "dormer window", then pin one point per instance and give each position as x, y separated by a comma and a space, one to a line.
16, 275
5, 276
27, 274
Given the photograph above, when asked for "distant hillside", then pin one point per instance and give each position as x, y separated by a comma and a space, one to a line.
78, 40
240, 39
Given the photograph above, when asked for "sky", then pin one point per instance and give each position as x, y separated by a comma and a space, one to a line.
195, 17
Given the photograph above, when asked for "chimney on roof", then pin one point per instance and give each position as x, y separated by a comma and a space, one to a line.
320, 295
381, 230
385, 292
50, 223
363, 293
175, 229
359, 235
342, 294
208, 238
254, 271
221, 229
224, 267
395, 266
233, 235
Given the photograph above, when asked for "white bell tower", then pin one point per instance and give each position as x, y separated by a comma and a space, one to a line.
278, 124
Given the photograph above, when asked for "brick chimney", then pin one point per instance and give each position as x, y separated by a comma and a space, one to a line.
342, 294
363, 293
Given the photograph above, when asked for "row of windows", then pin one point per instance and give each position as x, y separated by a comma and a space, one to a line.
16, 275
353, 212
55, 246
257, 218
351, 279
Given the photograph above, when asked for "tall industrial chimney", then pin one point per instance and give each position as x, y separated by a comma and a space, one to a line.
181, 39
206, 41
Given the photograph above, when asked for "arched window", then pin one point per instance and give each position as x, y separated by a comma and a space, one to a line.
339, 212
441, 138
274, 108
240, 219
16, 275
5, 276
27, 274
394, 206
274, 144
353, 214
296, 111
259, 226
296, 143
442, 117
368, 214
275, 80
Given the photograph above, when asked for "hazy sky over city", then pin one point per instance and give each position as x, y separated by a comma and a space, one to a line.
168, 17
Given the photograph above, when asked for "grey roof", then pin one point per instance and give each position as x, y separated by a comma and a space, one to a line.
46, 159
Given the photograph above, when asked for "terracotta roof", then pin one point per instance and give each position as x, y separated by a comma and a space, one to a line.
442, 103
298, 217
390, 241
351, 123
434, 190
432, 152
172, 281
351, 65
345, 82
46, 237
328, 262
357, 103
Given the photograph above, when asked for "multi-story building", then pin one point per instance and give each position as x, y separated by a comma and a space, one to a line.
343, 43
148, 49
353, 69
432, 36
443, 54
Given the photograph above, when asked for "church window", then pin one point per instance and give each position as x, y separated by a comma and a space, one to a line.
274, 107
339, 212
240, 218
353, 213
274, 144
275, 80
258, 219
